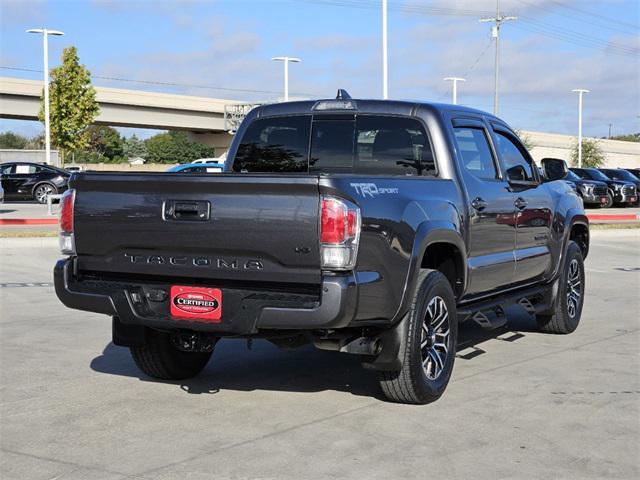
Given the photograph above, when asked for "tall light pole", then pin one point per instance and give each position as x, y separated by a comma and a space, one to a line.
286, 61
385, 53
580, 91
45, 46
455, 81
495, 33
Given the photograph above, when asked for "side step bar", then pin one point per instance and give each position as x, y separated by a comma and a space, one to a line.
489, 313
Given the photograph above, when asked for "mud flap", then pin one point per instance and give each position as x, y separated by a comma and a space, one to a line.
390, 358
127, 335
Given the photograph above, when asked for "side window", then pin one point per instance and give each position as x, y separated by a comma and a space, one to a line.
7, 169
475, 152
25, 169
516, 165
393, 146
274, 145
193, 170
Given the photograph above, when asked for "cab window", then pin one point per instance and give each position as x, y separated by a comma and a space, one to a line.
475, 153
516, 165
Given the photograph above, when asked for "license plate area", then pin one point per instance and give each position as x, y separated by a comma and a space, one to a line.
196, 303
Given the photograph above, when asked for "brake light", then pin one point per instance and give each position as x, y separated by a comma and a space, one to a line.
339, 233
67, 238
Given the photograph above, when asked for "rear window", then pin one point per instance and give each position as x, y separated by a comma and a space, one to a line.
368, 144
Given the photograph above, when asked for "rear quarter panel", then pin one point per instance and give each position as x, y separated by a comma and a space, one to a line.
398, 215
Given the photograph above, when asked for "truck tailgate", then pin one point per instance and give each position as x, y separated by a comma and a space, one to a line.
255, 228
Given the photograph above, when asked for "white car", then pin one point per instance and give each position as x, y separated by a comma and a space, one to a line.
221, 159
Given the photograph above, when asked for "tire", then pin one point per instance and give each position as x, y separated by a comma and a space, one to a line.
42, 191
159, 358
415, 383
609, 203
570, 299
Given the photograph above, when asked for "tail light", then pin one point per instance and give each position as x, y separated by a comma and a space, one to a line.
339, 233
67, 239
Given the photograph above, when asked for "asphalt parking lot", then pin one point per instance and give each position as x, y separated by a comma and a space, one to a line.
520, 405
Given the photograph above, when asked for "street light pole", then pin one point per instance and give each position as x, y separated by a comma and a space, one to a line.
495, 33
580, 91
455, 81
286, 61
45, 46
385, 53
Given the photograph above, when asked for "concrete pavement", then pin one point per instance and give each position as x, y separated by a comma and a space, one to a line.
520, 405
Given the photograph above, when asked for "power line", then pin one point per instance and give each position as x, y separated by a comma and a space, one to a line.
170, 84
597, 15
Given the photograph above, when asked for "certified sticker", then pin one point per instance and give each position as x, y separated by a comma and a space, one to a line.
196, 303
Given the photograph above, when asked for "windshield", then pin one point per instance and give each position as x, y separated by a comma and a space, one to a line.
596, 174
621, 175
572, 176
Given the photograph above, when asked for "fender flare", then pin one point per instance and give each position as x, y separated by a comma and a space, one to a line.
428, 233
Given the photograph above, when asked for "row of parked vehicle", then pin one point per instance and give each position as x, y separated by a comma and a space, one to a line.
604, 187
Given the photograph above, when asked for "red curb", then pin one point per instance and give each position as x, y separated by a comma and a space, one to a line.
622, 216
28, 221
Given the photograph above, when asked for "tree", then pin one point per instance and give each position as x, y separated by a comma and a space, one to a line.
525, 139
72, 100
630, 137
105, 141
592, 154
13, 140
175, 147
134, 147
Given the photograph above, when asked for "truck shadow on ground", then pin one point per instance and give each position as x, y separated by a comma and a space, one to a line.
234, 366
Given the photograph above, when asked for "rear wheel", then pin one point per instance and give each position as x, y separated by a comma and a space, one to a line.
42, 192
159, 358
570, 299
429, 348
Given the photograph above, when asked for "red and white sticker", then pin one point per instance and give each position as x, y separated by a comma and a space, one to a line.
196, 303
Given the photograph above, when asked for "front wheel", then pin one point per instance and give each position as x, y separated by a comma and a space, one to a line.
568, 309
42, 192
609, 202
159, 358
428, 350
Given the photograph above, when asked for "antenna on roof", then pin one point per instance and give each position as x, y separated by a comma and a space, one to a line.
342, 94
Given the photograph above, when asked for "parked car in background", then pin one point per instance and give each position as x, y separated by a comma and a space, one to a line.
197, 168
592, 192
623, 175
618, 191
1, 194
221, 159
634, 171
73, 169
23, 180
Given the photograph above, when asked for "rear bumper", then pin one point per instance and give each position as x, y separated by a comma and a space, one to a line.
244, 312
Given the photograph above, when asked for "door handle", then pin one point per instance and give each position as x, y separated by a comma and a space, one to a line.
479, 204
194, 211
520, 203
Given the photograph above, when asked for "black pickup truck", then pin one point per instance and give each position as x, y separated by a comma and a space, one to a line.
363, 226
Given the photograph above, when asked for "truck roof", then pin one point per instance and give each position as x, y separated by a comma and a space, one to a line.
398, 107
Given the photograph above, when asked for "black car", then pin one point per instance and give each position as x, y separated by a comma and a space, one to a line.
619, 191
592, 192
622, 175
23, 180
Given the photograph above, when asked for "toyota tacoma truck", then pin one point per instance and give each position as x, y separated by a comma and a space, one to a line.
362, 226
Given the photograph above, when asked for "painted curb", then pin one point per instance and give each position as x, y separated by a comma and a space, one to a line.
28, 221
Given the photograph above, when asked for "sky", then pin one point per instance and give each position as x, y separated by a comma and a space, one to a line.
223, 49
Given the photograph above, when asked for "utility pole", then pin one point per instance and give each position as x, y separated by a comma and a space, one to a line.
385, 53
495, 33
286, 61
580, 92
45, 47
610, 125
455, 81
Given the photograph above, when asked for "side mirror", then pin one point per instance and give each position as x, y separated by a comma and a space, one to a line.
554, 168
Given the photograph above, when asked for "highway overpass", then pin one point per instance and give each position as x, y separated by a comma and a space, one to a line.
201, 116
